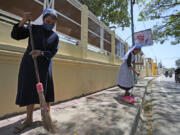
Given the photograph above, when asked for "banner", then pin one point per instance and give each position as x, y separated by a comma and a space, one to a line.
143, 38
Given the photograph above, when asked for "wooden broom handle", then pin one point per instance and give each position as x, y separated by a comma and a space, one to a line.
32, 45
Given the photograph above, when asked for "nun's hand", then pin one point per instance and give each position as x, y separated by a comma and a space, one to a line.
138, 74
35, 53
27, 16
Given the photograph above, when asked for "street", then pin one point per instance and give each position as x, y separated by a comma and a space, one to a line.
165, 106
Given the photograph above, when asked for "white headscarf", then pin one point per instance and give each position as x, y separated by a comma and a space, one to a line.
132, 49
39, 20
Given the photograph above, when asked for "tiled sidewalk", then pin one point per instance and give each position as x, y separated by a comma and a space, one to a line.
101, 113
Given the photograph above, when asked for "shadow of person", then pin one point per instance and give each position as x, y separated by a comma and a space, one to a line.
9, 129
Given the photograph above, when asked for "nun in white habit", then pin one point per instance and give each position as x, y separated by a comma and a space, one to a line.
125, 79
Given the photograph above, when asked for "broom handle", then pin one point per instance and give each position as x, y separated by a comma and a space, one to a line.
132, 92
34, 58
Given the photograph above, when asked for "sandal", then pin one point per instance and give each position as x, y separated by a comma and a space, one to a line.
19, 128
127, 94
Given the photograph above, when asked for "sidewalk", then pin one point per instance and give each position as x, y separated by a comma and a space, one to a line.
101, 113
166, 106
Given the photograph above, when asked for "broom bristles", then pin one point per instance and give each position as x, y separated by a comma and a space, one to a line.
47, 122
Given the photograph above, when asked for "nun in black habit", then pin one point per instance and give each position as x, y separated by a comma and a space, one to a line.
46, 45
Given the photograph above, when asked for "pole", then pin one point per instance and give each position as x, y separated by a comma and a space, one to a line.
132, 22
132, 30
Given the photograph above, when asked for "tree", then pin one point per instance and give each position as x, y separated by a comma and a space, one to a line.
178, 63
168, 13
111, 12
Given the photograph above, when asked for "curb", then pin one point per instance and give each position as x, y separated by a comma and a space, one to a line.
138, 115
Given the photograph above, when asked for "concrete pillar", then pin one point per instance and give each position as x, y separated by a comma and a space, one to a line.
141, 60
152, 67
138, 60
126, 48
147, 68
84, 31
101, 37
113, 55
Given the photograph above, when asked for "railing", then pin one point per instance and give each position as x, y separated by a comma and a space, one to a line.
69, 21
99, 35
119, 47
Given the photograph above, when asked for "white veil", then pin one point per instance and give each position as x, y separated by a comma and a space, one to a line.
134, 47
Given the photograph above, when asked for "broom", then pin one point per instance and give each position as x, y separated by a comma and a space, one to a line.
129, 99
47, 122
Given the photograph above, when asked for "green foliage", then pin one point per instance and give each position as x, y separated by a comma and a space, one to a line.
111, 12
168, 13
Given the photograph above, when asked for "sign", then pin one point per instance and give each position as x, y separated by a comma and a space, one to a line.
143, 38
